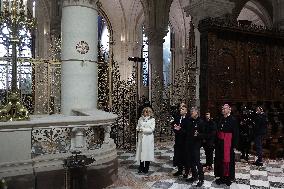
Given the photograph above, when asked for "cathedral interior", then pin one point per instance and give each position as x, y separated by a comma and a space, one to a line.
76, 74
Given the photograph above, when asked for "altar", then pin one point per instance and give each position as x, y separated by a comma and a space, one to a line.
33, 152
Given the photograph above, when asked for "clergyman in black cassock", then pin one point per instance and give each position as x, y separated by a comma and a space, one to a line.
178, 127
227, 138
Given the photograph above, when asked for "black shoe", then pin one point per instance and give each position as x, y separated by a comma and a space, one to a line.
177, 173
200, 183
191, 180
228, 182
185, 176
219, 181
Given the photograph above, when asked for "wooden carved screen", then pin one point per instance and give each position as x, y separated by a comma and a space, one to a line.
239, 64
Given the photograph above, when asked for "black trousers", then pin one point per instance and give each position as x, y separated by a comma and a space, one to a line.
244, 146
208, 148
196, 167
144, 166
186, 169
258, 146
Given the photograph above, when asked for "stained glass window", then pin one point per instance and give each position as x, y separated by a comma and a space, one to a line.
167, 58
145, 65
103, 37
24, 68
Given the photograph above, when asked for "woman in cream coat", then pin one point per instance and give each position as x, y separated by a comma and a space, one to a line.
145, 144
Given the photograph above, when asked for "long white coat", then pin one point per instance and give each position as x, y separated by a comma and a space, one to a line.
145, 144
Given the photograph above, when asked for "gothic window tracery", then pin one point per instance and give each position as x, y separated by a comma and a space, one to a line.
24, 52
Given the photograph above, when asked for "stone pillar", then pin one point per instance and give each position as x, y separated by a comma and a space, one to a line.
79, 55
199, 10
156, 15
279, 14
156, 41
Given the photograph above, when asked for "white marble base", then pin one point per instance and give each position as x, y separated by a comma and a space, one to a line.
15, 145
16, 140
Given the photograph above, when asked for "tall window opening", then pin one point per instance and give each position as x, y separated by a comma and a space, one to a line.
167, 71
24, 67
145, 65
103, 38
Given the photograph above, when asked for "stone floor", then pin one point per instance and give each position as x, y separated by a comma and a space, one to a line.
248, 176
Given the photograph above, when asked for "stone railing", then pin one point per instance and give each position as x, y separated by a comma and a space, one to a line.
42, 143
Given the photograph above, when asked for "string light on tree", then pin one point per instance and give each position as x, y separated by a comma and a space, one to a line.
15, 17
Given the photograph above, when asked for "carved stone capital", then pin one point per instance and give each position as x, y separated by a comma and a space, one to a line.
84, 3
200, 9
156, 36
156, 15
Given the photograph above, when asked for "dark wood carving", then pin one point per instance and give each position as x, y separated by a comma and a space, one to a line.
243, 65
239, 63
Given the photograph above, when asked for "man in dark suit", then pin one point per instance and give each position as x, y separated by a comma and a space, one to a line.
194, 135
260, 130
246, 126
209, 140
178, 127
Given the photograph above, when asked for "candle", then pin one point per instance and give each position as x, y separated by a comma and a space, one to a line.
26, 7
18, 7
10, 4
34, 9
1, 4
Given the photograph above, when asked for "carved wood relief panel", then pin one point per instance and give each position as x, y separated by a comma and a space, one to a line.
240, 65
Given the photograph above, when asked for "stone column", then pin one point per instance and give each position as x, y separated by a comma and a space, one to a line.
156, 40
199, 10
156, 15
279, 14
79, 55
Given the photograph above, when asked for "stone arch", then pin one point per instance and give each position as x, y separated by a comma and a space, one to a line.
264, 5
254, 7
179, 22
